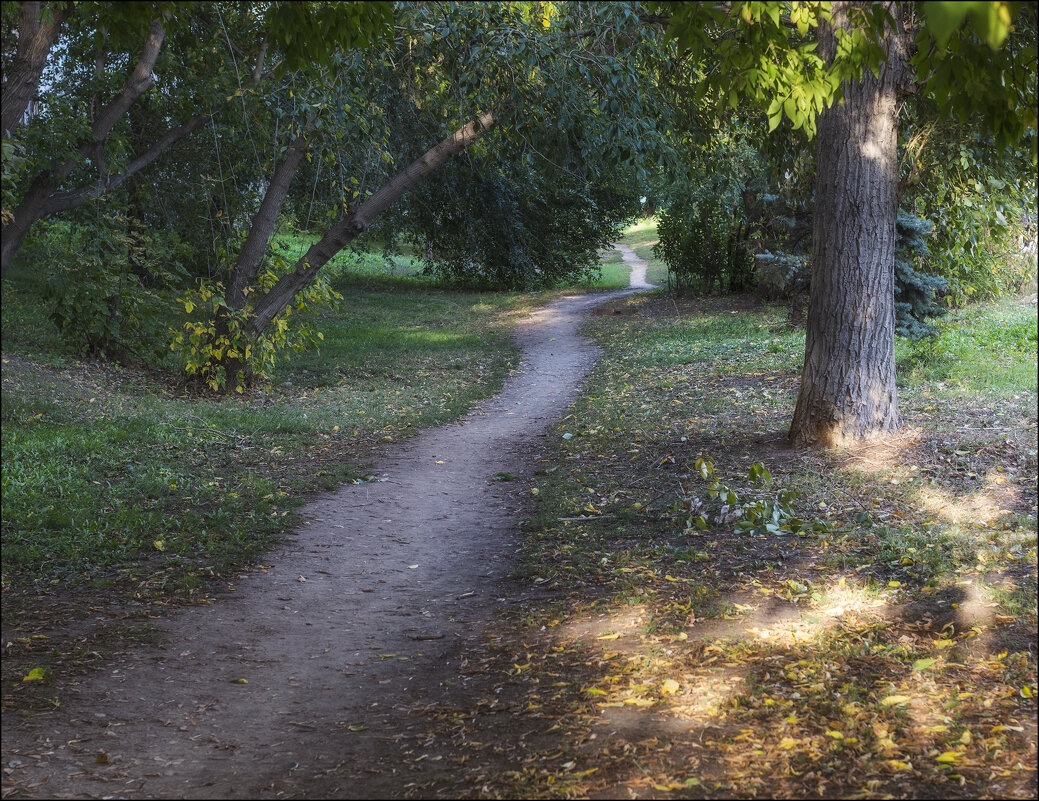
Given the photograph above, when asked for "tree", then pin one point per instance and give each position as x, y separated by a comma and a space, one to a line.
848, 385
38, 28
480, 68
761, 52
304, 33
34, 201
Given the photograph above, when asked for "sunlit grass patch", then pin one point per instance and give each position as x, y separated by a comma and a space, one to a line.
641, 237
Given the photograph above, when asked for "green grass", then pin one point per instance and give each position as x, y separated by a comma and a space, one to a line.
987, 348
354, 263
121, 478
918, 580
613, 272
641, 237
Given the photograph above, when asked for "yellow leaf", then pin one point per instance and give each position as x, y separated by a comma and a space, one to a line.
1027, 692
608, 637
834, 734
787, 743
948, 756
891, 700
241, 681
638, 701
36, 674
669, 687
594, 691
160, 545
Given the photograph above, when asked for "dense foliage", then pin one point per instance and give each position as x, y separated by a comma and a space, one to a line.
161, 183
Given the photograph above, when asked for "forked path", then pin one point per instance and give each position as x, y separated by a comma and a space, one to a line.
296, 684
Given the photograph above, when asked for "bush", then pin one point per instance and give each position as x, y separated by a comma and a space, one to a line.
106, 283
916, 294
703, 248
223, 353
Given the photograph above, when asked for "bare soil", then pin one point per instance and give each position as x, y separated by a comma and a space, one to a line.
302, 682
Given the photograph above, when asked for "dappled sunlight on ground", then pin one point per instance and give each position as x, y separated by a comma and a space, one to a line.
996, 498
881, 453
881, 647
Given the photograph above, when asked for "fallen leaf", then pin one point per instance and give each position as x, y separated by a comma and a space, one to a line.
891, 700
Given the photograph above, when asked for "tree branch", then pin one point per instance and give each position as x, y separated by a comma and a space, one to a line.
358, 220
70, 200
22, 77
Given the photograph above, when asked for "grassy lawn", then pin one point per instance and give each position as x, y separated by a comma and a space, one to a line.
123, 488
878, 640
614, 273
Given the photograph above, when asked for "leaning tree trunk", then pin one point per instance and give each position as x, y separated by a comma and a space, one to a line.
357, 221
848, 381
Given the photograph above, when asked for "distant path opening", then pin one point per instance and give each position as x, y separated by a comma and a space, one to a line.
638, 267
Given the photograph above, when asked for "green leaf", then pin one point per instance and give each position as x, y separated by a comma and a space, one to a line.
943, 18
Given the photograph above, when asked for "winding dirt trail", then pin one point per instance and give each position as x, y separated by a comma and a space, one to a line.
638, 266
297, 684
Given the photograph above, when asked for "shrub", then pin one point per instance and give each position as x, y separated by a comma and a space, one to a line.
222, 352
106, 283
703, 248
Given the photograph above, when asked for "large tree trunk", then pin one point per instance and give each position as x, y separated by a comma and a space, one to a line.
35, 39
34, 202
358, 220
848, 382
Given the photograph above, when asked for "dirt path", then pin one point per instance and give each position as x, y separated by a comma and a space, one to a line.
298, 683
638, 267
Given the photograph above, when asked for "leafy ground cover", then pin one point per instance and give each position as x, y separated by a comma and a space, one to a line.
124, 489
728, 617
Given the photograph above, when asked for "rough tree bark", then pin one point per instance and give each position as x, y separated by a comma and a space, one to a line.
43, 186
357, 221
36, 37
848, 381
